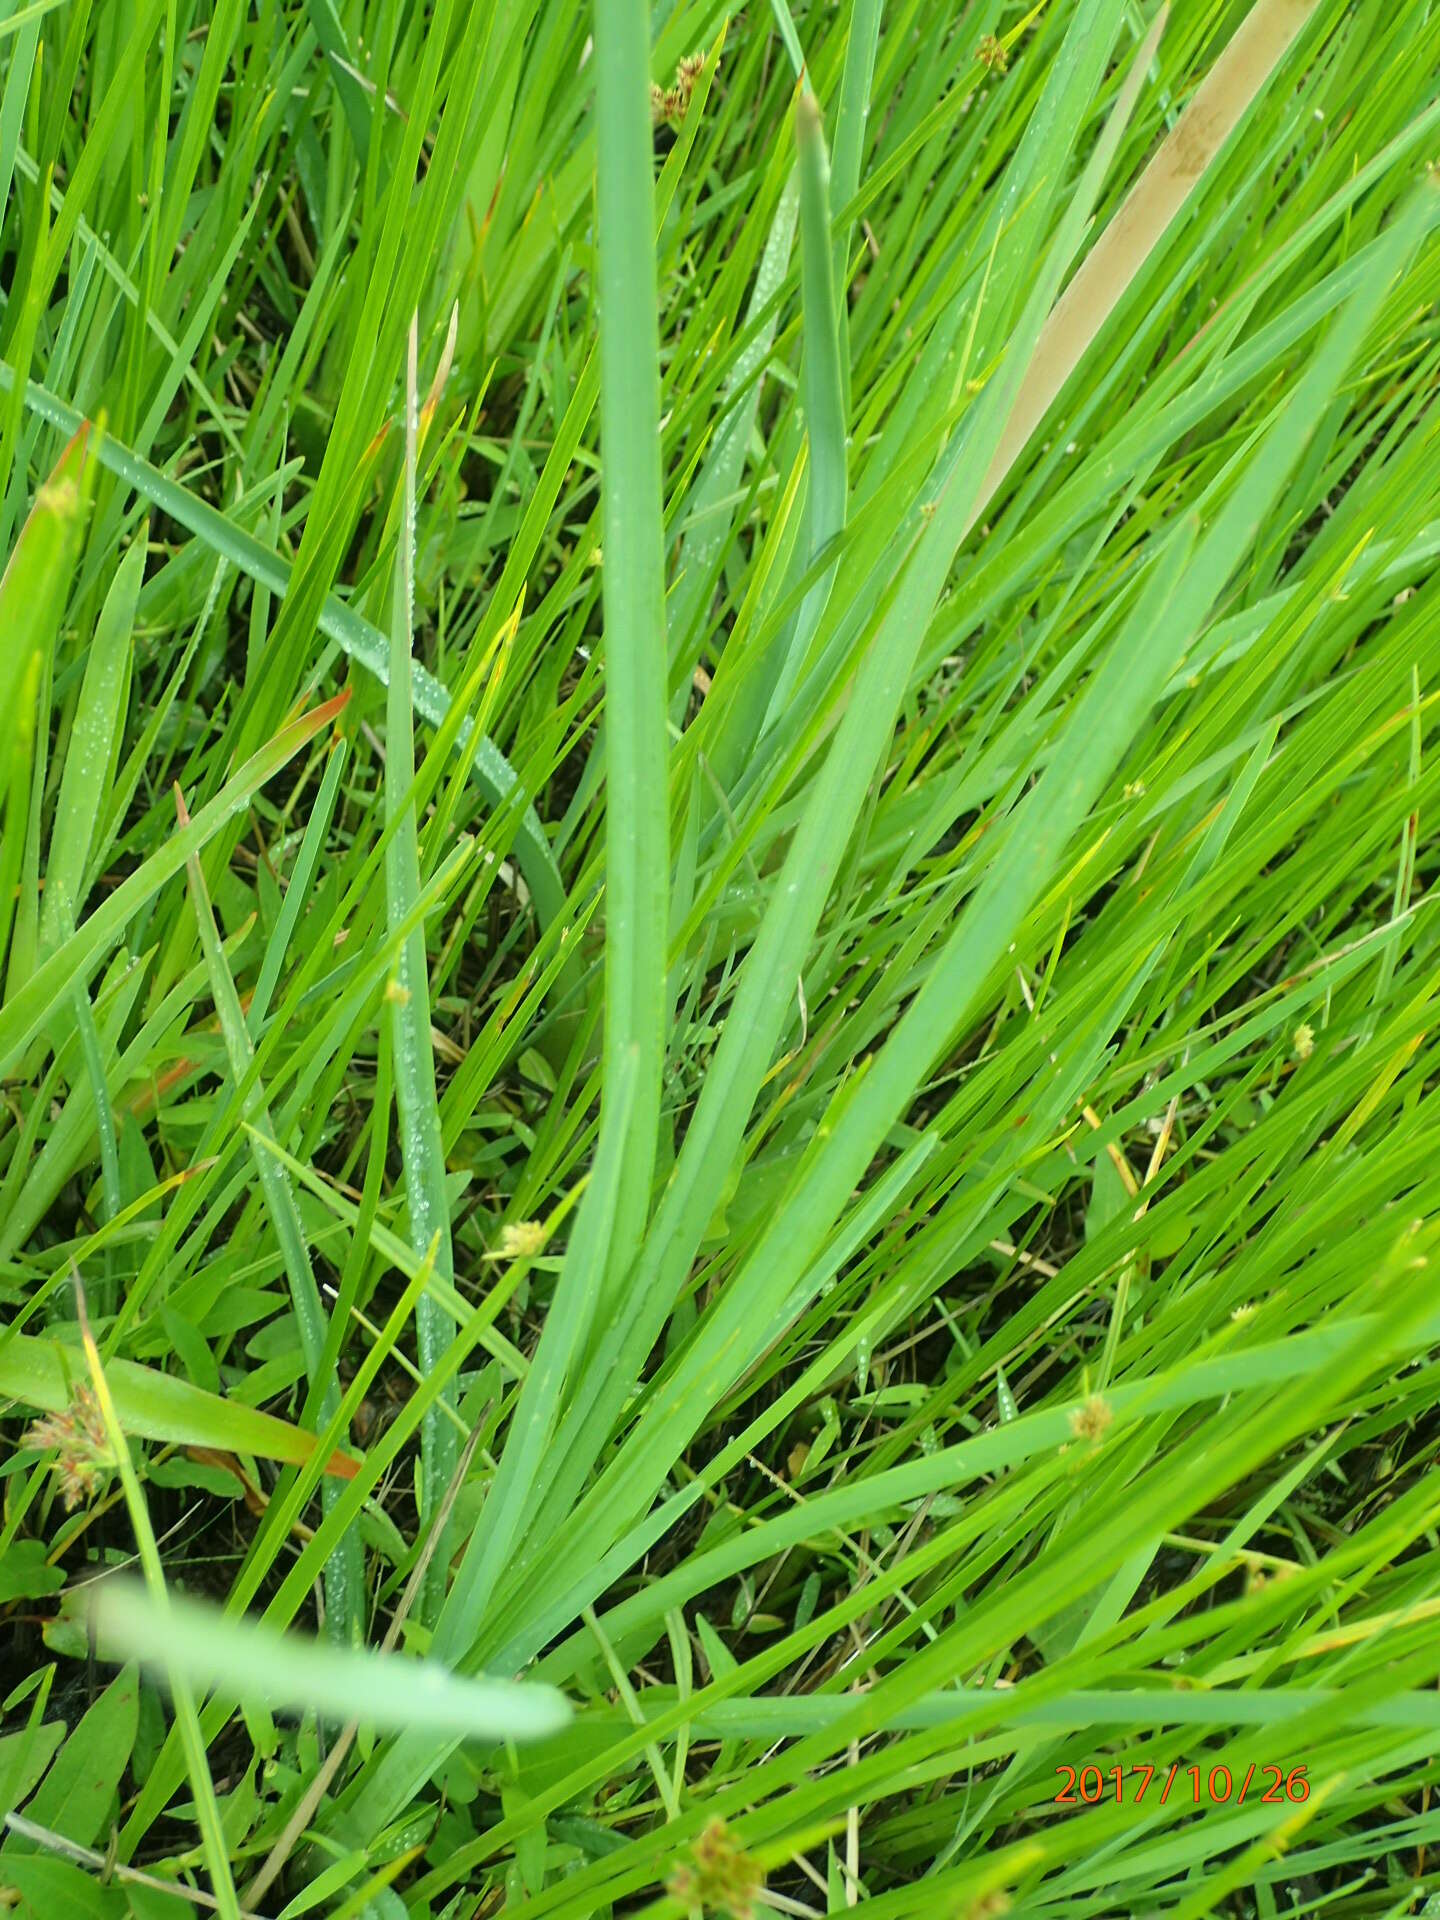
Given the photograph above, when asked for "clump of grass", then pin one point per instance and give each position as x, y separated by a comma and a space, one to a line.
776, 1078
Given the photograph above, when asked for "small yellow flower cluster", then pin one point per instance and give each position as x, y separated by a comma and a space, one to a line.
521, 1240
720, 1877
672, 103
1091, 1421
77, 1433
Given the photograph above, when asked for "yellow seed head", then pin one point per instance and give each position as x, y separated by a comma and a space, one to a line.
1091, 1421
521, 1240
719, 1875
82, 1446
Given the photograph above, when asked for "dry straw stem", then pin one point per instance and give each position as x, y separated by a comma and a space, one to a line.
1220, 103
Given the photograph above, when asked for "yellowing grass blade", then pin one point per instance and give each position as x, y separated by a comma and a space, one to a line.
38, 577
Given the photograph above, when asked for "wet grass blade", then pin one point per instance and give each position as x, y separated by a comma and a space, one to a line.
408, 994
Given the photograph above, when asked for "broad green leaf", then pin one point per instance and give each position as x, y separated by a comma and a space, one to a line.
24, 1757
25, 1572
80, 1788
51, 1889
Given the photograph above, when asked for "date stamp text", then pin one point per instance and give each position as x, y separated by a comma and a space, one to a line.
1213, 1786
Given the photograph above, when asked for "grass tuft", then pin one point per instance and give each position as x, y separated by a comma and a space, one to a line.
738, 1215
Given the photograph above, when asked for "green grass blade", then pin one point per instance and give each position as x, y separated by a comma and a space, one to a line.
1228, 92
421, 1148
209, 1649
578, 1297
90, 752
637, 862
852, 118
37, 575
1174, 600
26, 1011
344, 1571
980, 1273
316, 828
155, 1406
767, 985
94, 1057
17, 798
362, 641
353, 97
215, 1851
824, 388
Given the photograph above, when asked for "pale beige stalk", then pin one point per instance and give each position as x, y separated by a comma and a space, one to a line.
1219, 104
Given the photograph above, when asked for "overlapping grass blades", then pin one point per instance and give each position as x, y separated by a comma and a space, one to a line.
888, 1132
